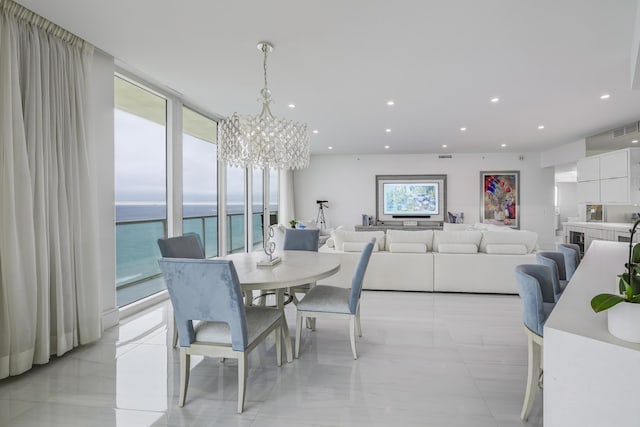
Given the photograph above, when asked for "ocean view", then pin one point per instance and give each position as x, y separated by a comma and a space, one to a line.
139, 226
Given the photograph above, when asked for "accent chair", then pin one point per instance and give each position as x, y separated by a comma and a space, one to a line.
336, 302
536, 289
208, 290
188, 245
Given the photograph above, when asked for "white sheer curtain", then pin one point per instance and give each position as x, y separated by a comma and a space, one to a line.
286, 204
49, 290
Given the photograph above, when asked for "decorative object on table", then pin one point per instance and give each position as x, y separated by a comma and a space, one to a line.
293, 223
500, 198
453, 219
269, 247
624, 319
263, 141
320, 220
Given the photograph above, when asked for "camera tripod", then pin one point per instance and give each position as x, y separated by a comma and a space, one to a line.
320, 217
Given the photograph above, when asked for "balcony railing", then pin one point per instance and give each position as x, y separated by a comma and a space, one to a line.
137, 250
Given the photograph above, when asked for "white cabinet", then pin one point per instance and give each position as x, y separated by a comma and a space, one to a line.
614, 165
588, 169
589, 191
614, 190
610, 178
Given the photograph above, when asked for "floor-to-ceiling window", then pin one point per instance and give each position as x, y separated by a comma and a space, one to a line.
236, 196
257, 207
143, 187
199, 179
140, 188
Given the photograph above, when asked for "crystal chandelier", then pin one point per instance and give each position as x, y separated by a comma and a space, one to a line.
263, 141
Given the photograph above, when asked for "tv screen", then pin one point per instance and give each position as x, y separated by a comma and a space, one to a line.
410, 199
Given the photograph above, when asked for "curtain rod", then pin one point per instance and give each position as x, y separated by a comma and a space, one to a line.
29, 17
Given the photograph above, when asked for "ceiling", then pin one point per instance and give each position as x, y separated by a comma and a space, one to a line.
340, 62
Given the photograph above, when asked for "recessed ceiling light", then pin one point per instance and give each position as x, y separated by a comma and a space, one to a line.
463, 129
292, 105
635, 141
386, 147
444, 145
494, 100
315, 131
387, 130
605, 96
390, 103
503, 145
330, 147
541, 127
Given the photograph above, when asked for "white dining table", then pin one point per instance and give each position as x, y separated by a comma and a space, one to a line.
296, 268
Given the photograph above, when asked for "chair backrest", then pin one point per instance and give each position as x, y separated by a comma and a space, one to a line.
571, 254
358, 276
535, 287
301, 239
555, 261
186, 246
205, 289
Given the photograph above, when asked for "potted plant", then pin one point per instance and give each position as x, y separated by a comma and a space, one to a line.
293, 223
624, 319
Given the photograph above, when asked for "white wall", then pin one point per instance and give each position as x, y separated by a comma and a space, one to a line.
567, 200
103, 104
348, 183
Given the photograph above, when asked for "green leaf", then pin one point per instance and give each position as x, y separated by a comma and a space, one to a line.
635, 253
605, 301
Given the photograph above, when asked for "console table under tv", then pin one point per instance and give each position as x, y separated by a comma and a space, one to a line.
385, 227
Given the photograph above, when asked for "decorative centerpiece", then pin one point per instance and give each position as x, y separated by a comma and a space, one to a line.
293, 223
624, 309
269, 247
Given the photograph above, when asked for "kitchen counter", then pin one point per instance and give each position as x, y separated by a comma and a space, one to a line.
614, 226
587, 371
583, 233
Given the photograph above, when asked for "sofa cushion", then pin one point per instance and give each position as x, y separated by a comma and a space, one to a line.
356, 246
516, 237
416, 248
342, 236
458, 248
463, 237
506, 249
403, 236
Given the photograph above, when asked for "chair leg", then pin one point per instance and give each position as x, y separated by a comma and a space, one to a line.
242, 380
299, 319
185, 362
279, 344
533, 372
174, 342
358, 325
352, 335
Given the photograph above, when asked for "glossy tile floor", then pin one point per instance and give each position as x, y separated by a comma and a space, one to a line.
425, 360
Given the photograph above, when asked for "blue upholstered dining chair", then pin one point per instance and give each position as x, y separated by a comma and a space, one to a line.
336, 302
571, 254
536, 289
555, 261
208, 290
188, 245
301, 240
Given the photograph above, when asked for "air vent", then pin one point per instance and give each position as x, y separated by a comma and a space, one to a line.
625, 130
445, 156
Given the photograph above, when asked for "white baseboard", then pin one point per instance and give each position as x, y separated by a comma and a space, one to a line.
110, 318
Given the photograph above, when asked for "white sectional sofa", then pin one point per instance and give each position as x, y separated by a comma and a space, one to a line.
426, 260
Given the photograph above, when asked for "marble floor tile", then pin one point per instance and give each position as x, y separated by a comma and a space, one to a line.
446, 360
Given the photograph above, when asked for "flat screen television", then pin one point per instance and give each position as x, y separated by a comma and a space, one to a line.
410, 199
403, 197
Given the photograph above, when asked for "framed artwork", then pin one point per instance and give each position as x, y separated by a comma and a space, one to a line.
500, 198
